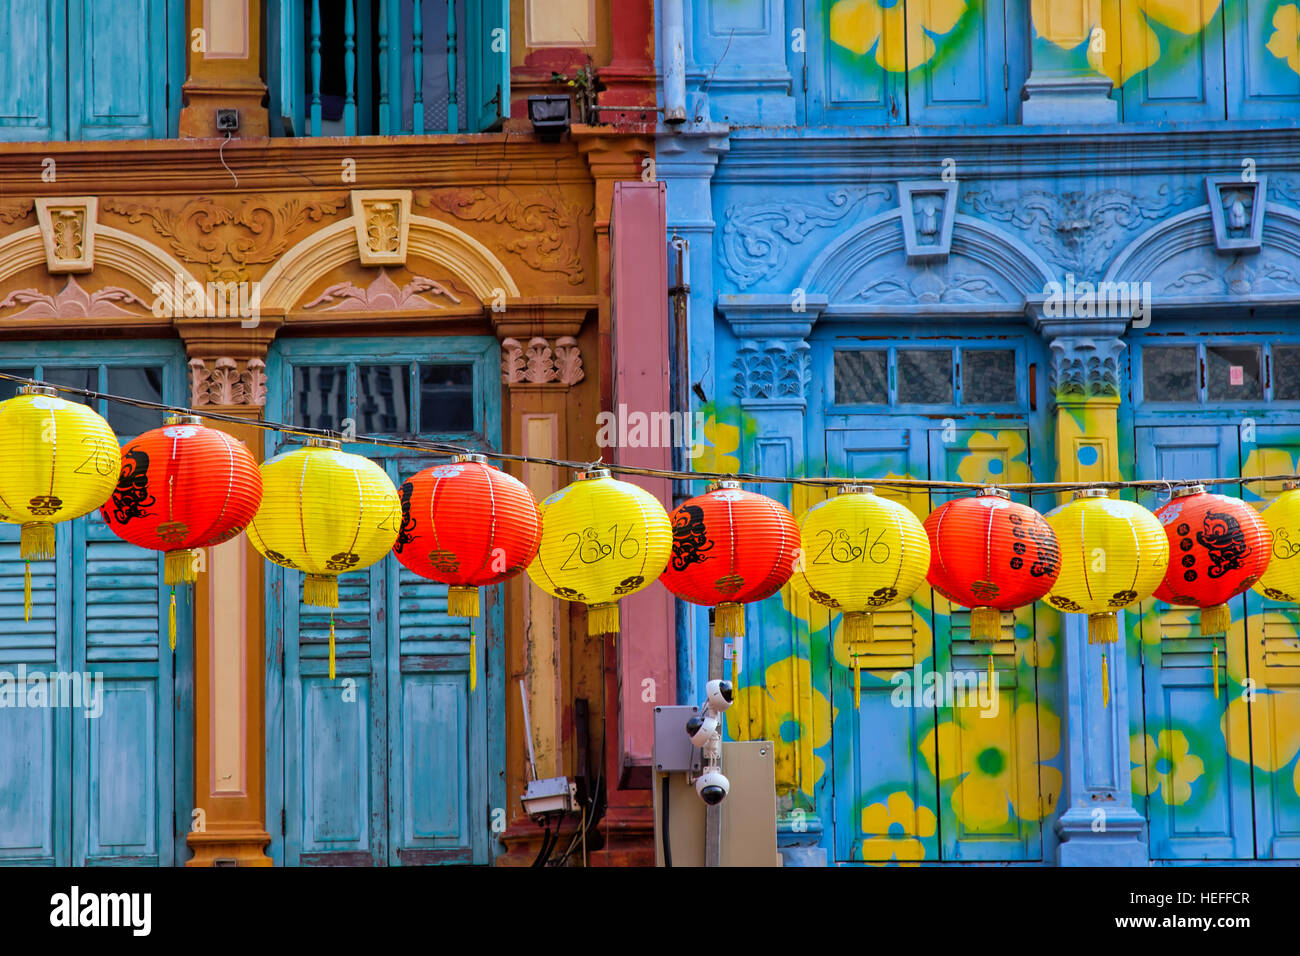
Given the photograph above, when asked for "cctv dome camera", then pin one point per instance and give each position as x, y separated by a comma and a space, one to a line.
701, 728
713, 787
720, 694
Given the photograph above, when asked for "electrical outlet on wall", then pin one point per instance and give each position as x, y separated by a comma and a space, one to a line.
227, 121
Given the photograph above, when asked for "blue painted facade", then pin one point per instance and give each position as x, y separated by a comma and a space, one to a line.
875, 223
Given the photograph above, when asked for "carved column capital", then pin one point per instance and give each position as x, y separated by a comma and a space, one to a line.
226, 381
774, 360
540, 363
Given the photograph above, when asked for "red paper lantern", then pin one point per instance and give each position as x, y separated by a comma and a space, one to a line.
181, 487
730, 547
466, 524
1218, 547
991, 555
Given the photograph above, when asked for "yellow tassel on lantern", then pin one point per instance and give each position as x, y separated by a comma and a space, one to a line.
27, 591
1105, 680
1215, 619
171, 622
179, 567
462, 601
729, 619
985, 624
1103, 628
602, 619
858, 627
1216, 671
857, 684
331, 645
321, 590
473, 656
990, 675
36, 541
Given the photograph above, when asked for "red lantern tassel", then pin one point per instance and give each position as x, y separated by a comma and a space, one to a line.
729, 619
179, 567
171, 623
1215, 620
1216, 671
462, 602
985, 624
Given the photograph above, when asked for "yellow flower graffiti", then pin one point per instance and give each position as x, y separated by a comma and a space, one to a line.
714, 454
901, 35
1000, 762
1120, 40
1285, 41
787, 710
892, 828
993, 457
1166, 764
1273, 719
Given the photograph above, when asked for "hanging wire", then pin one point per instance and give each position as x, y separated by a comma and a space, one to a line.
450, 448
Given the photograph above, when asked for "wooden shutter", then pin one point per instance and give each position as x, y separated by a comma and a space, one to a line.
488, 69
117, 69
1261, 84
969, 77
33, 81
1183, 77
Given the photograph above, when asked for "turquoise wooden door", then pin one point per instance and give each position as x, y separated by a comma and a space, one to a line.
109, 781
1196, 797
389, 764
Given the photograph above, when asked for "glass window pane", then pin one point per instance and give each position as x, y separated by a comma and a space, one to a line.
134, 382
988, 376
9, 389
924, 377
1286, 373
1232, 372
446, 398
320, 396
862, 377
1169, 374
383, 399
79, 377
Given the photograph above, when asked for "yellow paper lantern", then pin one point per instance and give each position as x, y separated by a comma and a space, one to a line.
1281, 579
862, 553
325, 512
61, 462
602, 539
1113, 554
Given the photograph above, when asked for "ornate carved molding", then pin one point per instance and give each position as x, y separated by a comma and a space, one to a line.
72, 301
756, 235
383, 295
1076, 230
68, 231
382, 219
227, 382
929, 287
549, 229
229, 237
1084, 367
15, 210
773, 369
1236, 212
1242, 275
928, 210
539, 364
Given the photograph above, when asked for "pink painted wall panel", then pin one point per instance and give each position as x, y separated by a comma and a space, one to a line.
639, 292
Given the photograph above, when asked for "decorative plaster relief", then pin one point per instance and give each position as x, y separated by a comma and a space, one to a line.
928, 210
226, 383
773, 369
547, 230
1236, 212
71, 302
756, 235
382, 219
539, 364
1240, 276
68, 231
228, 237
929, 287
1086, 367
1078, 231
13, 210
383, 295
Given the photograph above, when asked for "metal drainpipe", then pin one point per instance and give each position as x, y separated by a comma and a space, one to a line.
674, 40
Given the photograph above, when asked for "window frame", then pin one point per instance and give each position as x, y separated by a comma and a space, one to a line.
956, 349
1137, 371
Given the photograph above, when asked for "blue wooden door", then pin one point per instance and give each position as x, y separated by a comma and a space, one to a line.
33, 80
846, 83
1173, 75
1262, 79
969, 77
1197, 798
110, 781
1273, 665
389, 763
117, 68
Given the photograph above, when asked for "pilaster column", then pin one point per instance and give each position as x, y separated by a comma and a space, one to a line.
1064, 86
229, 658
1099, 825
770, 377
225, 67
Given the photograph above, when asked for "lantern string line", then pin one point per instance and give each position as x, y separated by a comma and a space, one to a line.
450, 448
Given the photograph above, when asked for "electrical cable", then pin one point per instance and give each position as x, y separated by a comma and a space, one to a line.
450, 448
663, 823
